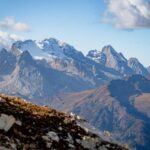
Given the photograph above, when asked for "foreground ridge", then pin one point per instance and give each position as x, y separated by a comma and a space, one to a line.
24, 125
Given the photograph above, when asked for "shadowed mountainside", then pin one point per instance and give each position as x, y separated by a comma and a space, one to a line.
121, 107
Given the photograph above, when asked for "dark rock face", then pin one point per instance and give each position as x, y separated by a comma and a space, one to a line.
148, 69
120, 107
7, 62
27, 126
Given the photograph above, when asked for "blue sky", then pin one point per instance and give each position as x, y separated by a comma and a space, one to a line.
85, 24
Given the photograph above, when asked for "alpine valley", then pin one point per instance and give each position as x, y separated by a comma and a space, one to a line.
107, 89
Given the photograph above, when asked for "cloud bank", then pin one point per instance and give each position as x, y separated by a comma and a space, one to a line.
128, 14
10, 24
7, 39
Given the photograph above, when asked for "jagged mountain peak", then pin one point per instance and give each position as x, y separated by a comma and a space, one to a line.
110, 52
18, 44
59, 48
52, 47
97, 56
51, 39
72, 53
110, 58
94, 54
25, 54
49, 43
133, 61
107, 56
137, 67
28, 45
108, 49
25, 58
47, 48
65, 57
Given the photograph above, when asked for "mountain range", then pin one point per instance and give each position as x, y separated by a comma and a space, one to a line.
65, 57
42, 69
112, 59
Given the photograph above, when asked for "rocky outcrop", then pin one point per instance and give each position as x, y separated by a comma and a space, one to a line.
27, 126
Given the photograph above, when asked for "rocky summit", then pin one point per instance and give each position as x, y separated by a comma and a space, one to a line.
25, 126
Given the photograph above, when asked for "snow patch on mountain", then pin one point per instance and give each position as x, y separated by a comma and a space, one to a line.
96, 56
31, 46
52, 47
46, 49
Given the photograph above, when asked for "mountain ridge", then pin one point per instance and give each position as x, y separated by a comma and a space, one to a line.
116, 107
112, 59
41, 69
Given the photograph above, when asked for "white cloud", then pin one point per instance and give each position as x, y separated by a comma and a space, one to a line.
128, 14
11, 24
7, 39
